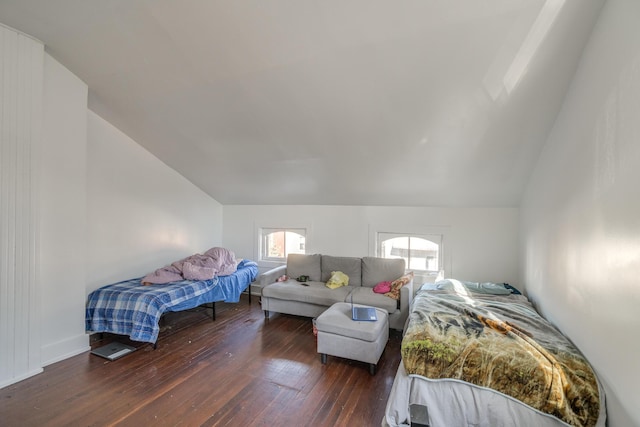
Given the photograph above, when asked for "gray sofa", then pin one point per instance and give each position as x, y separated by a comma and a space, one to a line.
291, 297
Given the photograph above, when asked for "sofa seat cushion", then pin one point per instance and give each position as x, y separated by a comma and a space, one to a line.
365, 296
352, 267
376, 270
315, 293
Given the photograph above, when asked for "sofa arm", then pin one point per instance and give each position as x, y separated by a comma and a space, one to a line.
406, 298
270, 276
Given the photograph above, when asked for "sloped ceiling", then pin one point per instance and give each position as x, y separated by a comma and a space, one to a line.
345, 102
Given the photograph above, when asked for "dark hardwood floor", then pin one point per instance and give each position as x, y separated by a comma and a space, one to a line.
237, 371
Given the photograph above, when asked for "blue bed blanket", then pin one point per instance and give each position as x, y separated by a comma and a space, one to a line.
130, 308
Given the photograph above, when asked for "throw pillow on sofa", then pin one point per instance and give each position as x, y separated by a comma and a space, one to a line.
382, 287
397, 284
337, 279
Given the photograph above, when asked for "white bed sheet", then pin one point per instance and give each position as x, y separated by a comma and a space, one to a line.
452, 403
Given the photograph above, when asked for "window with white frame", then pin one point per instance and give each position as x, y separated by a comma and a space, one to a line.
277, 243
421, 252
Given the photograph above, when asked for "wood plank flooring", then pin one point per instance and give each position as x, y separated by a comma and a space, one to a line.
237, 371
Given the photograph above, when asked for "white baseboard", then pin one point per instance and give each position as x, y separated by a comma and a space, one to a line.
20, 378
55, 352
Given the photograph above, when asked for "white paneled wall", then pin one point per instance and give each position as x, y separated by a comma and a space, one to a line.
21, 77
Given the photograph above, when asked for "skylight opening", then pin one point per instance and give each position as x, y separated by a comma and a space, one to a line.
540, 28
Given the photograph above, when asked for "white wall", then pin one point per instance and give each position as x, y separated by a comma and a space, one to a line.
109, 211
581, 212
141, 214
480, 244
63, 213
97, 208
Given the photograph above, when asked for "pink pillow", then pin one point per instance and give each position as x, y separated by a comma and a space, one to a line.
382, 287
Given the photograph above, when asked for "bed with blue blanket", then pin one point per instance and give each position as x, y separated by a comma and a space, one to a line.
132, 309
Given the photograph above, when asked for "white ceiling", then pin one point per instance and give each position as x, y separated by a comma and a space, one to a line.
345, 102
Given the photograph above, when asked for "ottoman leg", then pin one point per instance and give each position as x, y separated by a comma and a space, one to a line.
372, 368
323, 358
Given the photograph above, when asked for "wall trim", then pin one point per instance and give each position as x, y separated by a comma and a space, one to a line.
64, 349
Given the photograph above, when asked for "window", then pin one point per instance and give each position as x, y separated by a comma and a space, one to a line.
421, 252
277, 243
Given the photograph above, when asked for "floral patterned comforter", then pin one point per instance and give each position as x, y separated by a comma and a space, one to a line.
500, 342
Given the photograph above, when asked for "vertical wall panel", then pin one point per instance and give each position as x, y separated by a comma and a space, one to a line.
21, 77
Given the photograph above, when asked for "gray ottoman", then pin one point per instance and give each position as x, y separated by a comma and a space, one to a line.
340, 336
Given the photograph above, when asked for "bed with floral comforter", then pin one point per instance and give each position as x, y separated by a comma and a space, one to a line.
499, 360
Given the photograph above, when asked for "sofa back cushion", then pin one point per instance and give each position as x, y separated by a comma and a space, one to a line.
352, 267
304, 265
376, 270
